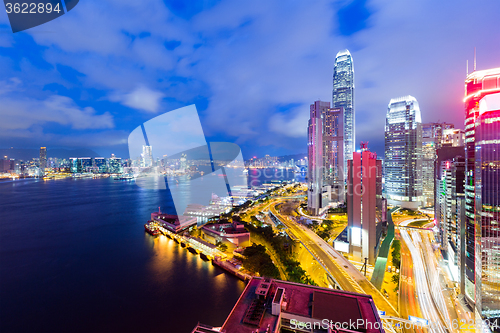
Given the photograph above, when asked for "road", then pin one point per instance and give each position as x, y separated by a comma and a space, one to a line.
408, 302
342, 271
427, 288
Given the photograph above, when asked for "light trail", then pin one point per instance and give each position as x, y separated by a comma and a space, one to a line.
425, 300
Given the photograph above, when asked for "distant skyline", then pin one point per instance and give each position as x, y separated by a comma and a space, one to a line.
88, 78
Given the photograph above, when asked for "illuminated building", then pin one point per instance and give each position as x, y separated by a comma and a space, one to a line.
43, 158
343, 97
449, 212
434, 136
268, 305
232, 234
100, 164
403, 153
315, 157
482, 205
75, 165
115, 165
147, 156
326, 159
364, 205
173, 223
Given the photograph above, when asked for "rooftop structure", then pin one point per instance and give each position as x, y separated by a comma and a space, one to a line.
268, 305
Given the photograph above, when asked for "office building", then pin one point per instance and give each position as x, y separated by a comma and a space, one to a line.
482, 205
268, 305
403, 153
75, 165
487, 215
435, 136
325, 156
43, 158
115, 165
364, 205
449, 212
343, 97
100, 165
147, 156
315, 157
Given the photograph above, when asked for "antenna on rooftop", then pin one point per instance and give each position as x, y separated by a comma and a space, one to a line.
474, 59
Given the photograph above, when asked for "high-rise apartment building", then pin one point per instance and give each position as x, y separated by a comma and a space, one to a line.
364, 205
482, 188
403, 153
343, 97
43, 158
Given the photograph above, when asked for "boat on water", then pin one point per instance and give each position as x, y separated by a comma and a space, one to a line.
183, 244
175, 239
204, 256
190, 249
125, 178
151, 229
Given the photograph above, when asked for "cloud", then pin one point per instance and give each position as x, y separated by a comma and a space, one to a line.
291, 124
141, 98
23, 115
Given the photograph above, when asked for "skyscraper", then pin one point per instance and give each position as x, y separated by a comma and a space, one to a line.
315, 156
364, 205
482, 187
435, 136
326, 154
147, 156
100, 164
403, 153
343, 97
43, 158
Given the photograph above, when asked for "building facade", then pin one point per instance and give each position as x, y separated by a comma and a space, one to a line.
482, 237
487, 205
343, 97
403, 153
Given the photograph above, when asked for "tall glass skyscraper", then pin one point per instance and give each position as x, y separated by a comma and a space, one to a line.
343, 97
43, 158
482, 187
403, 153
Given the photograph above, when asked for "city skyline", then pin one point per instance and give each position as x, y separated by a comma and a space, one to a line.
95, 107
158, 156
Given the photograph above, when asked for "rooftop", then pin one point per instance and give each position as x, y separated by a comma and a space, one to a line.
255, 308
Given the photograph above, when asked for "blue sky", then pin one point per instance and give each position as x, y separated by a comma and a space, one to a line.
88, 78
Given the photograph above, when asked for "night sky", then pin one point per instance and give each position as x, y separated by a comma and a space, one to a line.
252, 68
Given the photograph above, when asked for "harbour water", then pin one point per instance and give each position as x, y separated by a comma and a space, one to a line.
74, 257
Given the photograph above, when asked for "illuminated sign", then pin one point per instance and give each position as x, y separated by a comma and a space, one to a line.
489, 103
